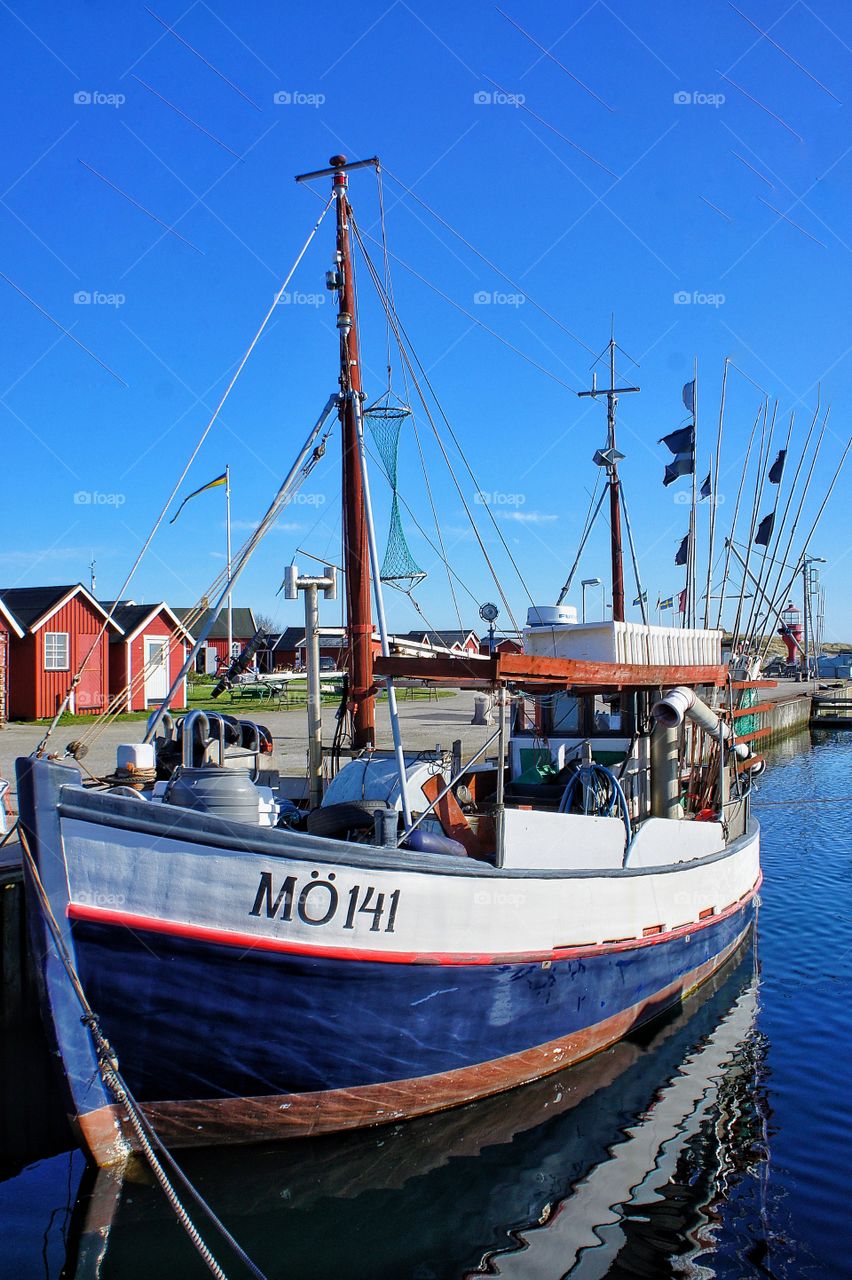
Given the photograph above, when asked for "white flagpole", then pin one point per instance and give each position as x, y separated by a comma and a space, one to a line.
692, 594
714, 485
228, 538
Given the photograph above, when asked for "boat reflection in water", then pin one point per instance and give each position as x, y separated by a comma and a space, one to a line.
623, 1163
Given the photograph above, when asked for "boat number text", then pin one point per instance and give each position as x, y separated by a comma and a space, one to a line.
319, 901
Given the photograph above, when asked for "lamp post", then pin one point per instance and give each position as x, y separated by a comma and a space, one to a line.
588, 582
311, 585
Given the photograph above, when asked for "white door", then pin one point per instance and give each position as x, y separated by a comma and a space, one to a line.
156, 657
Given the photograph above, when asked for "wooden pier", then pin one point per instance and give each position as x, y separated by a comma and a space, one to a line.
831, 713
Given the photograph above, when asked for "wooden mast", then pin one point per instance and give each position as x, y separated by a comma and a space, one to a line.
356, 559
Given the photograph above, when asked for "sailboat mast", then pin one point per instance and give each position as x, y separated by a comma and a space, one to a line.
356, 560
609, 458
614, 497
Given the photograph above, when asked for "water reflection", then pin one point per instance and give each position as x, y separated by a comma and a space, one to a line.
623, 1165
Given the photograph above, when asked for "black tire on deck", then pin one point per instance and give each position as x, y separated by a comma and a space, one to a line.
337, 819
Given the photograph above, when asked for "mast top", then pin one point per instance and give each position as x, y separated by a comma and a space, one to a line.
339, 165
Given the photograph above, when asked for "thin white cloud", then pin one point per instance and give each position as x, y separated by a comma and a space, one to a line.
280, 526
528, 517
24, 558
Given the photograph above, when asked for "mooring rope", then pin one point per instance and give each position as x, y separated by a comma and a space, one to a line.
112, 1078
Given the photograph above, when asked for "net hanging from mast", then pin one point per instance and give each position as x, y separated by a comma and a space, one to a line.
399, 568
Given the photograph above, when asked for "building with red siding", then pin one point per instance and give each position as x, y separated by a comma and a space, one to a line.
441, 641
59, 629
502, 644
9, 625
146, 656
214, 656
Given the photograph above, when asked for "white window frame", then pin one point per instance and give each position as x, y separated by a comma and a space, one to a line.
55, 665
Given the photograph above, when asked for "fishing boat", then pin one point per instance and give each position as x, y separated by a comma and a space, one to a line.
224, 967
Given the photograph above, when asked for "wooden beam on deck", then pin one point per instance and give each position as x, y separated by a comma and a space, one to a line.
530, 670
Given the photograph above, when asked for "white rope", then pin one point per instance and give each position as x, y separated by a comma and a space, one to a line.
111, 1075
76, 678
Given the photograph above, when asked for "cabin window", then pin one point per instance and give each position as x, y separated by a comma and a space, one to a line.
606, 713
565, 715
56, 651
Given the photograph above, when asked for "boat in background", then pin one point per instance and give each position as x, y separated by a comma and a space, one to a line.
431, 931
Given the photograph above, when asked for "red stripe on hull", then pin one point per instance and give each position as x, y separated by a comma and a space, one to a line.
219, 1121
253, 942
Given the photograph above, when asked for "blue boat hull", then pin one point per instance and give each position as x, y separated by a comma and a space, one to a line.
192, 1019
226, 1035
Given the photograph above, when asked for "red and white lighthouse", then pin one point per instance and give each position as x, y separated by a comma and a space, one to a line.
790, 632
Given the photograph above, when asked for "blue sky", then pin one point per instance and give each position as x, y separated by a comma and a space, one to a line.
657, 153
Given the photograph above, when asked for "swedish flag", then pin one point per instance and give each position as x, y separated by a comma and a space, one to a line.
212, 484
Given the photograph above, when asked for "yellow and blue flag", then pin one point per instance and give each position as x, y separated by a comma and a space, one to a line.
212, 484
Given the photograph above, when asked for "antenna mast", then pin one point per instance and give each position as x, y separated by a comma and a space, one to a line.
610, 458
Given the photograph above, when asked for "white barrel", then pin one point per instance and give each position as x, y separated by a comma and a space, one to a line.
135, 755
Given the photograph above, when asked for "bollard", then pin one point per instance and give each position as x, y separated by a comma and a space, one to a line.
385, 823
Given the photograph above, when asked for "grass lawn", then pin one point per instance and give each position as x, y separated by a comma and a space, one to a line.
200, 700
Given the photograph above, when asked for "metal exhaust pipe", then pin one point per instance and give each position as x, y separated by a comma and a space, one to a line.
683, 703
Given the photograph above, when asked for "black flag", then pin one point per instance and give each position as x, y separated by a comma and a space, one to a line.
705, 488
680, 558
681, 441
764, 530
777, 468
682, 445
688, 394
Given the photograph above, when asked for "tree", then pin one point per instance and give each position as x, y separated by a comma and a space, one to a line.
266, 621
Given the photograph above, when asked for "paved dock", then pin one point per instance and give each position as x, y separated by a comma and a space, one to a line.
425, 724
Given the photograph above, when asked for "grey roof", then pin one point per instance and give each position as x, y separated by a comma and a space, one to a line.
244, 623
29, 604
289, 638
129, 615
292, 638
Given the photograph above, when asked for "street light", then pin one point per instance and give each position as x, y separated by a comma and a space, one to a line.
588, 582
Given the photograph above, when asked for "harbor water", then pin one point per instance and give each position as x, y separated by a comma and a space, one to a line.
714, 1143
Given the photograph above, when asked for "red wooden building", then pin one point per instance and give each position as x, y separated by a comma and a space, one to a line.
502, 644
58, 628
443, 641
145, 658
215, 655
8, 626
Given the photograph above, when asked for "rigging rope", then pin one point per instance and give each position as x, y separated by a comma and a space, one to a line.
279, 502
399, 330
451, 573
390, 295
548, 373
75, 680
113, 1079
492, 265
